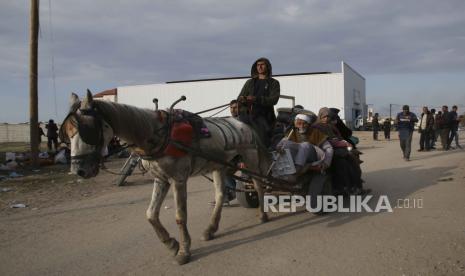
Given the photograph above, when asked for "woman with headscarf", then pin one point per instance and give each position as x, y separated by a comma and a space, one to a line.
345, 167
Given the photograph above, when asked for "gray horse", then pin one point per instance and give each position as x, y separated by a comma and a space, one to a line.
91, 124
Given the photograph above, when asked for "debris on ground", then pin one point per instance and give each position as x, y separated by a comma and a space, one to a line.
6, 189
446, 179
18, 205
60, 157
44, 155
15, 175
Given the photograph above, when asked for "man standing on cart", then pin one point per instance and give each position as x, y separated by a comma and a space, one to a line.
257, 99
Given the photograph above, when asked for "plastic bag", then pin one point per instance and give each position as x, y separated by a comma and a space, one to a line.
60, 157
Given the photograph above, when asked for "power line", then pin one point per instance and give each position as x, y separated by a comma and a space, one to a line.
52, 55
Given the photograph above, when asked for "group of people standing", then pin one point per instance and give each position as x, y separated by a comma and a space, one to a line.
433, 127
52, 135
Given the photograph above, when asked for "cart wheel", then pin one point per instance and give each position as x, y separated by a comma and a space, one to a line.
319, 185
246, 199
127, 170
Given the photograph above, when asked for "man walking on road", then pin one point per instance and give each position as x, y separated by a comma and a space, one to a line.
387, 129
405, 125
425, 128
454, 127
444, 125
375, 124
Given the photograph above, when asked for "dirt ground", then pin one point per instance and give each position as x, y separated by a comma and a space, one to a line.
76, 227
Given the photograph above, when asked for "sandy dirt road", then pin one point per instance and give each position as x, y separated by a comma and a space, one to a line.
108, 234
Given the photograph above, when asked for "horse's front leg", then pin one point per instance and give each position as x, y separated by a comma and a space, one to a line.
160, 189
218, 182
180, 197
258, 185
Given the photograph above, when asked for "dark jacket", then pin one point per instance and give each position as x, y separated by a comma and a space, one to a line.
429, 121
438, 121
375, 123
445, 120
51, 130
263, 106
406, 122
453, 122
387, 125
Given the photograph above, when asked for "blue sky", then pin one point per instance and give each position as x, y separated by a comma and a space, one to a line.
410, 52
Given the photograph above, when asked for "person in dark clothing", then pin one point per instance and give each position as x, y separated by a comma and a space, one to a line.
432, 136
257, 99
454, 127
41, 133
444, 126
52, 135
425, 129
345, 166
345, 132
437, 127
405, 125
387, 129
375, 124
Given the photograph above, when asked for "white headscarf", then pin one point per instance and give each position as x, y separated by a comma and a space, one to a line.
303, 117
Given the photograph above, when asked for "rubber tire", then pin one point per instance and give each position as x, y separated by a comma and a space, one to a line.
319, 185
246, 199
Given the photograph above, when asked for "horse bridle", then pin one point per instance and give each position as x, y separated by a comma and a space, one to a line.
91, 135
167, 125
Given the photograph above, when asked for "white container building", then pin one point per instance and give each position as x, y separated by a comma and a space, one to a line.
344, 90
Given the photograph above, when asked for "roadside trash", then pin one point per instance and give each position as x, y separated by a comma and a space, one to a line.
167, 207
10, 156
446, 179
36, 170
19, 205
44, 155
4, 190
60, 157
11, 165
15, 175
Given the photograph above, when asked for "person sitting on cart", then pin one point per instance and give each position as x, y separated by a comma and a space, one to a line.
306, 144
345, 166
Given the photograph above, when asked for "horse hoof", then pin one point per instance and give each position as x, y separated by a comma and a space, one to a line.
182, 258
207, 235
173, 247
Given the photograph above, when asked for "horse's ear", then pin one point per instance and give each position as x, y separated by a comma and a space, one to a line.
74, 102
89, 96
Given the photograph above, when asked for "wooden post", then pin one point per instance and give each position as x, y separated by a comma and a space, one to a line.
33, 98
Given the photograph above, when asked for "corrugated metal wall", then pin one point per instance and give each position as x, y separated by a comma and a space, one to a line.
311, 91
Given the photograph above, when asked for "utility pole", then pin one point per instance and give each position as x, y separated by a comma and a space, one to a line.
33, 97
390, 111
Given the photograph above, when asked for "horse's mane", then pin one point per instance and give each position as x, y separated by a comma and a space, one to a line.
131, 123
